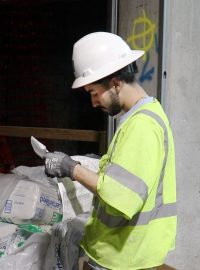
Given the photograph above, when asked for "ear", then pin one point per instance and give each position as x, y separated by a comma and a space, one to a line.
117, 84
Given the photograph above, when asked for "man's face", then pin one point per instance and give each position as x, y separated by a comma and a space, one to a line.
107, 100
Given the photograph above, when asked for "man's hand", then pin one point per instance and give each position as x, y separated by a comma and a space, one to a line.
58, 164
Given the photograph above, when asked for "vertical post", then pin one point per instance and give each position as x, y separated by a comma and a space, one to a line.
164, 72
114, 18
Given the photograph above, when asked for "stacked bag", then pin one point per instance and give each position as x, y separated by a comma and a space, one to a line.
31, 206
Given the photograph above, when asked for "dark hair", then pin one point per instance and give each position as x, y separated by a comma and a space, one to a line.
126, 74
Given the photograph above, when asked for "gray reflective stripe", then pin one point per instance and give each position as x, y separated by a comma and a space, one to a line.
127, 179
159, 195
160, 210
141, 218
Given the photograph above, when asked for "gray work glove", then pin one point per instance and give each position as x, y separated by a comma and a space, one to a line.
58, 164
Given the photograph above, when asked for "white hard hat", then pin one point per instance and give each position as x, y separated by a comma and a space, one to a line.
98, 55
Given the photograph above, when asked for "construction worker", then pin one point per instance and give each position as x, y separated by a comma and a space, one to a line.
133, 223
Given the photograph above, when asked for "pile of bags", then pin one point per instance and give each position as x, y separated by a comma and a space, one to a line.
32, 207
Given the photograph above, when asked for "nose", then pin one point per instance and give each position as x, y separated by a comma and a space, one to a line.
95, 101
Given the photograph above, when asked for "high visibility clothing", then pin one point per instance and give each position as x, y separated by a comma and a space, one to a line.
133, 224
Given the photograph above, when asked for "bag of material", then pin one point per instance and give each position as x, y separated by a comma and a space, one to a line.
8, 234
25, 251
64, 251
23, 201
29, 196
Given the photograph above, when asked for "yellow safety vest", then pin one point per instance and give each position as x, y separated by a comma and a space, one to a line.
133, 224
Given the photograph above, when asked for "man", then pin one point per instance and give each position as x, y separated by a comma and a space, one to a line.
133, 224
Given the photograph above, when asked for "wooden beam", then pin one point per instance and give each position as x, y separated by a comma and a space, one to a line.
51, 133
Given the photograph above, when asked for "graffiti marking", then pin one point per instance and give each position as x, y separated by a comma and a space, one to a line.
146, 74
143, 33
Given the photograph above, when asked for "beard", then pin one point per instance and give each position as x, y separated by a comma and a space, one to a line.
114, 107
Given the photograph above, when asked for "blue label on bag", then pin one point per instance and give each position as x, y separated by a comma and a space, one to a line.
8, 206
49, 201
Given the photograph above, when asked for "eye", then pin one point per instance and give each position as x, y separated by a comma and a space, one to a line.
94, 94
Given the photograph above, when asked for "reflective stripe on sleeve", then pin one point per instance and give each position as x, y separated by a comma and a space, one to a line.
141, 218
127, 179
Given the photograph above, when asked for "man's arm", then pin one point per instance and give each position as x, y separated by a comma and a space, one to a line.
86, 177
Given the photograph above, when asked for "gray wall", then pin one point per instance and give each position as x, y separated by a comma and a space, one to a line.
181, 99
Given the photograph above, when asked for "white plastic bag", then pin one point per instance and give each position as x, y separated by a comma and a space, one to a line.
29, 256
23, 201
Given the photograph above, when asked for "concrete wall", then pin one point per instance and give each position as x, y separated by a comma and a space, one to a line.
181, 99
